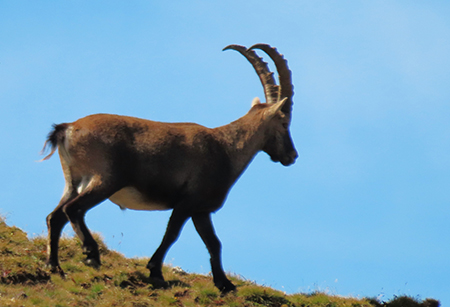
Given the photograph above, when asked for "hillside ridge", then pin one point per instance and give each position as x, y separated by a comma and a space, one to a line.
121, 281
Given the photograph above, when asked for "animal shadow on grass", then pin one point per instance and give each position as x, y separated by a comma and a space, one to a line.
139, 280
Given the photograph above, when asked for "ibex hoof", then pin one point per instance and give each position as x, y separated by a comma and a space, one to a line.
227, 287
92, 263
55, 269
158, 282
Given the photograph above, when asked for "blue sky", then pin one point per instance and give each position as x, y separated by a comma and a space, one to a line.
363, 212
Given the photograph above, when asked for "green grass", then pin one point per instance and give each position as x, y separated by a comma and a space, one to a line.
24, 281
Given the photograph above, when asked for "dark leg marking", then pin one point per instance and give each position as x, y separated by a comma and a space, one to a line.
176, 222
55, 223
205, 229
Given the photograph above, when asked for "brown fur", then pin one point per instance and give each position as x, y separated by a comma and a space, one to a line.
147, 165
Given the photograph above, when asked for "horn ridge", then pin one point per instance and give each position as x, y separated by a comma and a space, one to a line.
284, 73
271, 89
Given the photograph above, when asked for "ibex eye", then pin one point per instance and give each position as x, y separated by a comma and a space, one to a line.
285, 126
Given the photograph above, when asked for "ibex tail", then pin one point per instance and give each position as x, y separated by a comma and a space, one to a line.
55, 136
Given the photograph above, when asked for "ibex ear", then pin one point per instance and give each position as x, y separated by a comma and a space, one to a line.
271, 111
255, 101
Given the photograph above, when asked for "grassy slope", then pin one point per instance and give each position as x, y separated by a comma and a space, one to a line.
24, 281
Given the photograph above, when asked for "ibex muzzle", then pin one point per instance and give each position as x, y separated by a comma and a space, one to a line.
145, 165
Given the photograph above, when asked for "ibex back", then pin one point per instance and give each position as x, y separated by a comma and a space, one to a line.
146, 165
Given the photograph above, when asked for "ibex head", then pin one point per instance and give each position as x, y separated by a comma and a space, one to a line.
278, 106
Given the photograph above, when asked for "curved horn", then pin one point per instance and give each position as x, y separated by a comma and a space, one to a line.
284, 74
271, 89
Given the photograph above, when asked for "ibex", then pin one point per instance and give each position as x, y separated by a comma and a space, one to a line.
146, 165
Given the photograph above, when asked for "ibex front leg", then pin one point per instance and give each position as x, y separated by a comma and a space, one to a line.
176, 222
205, 229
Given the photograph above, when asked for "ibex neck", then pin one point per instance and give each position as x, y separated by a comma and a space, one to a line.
243, 139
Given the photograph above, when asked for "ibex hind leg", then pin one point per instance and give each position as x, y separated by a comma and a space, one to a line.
55, 224
75, 210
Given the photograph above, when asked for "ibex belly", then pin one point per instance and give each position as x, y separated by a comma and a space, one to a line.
131, 198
